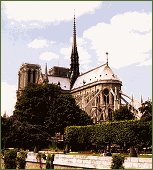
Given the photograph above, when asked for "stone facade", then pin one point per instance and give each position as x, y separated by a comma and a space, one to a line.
59, 72
29, 73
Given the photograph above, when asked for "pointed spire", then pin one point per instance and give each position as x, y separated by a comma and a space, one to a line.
74, 33
74, 69
46, 75
107, 58
141, 99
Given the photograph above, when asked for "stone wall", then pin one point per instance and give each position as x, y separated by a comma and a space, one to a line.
137, 163
62, 161
82, 161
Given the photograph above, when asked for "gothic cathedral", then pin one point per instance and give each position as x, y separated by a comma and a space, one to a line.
97, 91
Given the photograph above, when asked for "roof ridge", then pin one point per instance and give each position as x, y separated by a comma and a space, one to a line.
93, 69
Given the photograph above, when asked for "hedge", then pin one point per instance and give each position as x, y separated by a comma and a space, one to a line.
133, 132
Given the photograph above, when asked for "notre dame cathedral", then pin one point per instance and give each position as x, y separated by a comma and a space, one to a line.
97, 91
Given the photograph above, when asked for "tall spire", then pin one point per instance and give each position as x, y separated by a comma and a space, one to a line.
74, 69
107, 58
46, 75
74, 33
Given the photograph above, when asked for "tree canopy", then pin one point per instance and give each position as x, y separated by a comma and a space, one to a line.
123, 114
146, 111
40, 112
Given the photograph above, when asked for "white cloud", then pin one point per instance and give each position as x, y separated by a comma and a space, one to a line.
8, 98
66, 52
48, 11
127, 38
38, 44
146, 63
48, 56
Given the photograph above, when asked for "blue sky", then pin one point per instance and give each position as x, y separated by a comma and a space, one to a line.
41, 32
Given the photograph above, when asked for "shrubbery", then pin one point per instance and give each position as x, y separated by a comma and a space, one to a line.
10, 159
49, 161
133, 153
133, 132
21, 156
117, 162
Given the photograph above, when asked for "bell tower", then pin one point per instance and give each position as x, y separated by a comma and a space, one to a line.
74, 66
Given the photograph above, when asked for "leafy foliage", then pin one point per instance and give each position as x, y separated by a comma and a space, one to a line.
49, 161
41, 111
10, 159
133, 132
117, 162
24, 135
21, 159
123, 114
64, 112
133, 153
146, 110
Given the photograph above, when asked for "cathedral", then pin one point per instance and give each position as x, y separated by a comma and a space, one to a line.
97, 91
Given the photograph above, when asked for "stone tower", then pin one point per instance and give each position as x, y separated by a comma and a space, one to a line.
74, 66
29, 73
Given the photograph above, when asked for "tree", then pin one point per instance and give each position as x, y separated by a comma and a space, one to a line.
24, 135
123, 114
146, 111
33, 105
64, 112
41, 111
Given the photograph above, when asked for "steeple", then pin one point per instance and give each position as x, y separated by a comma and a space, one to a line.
74, 66
46, 75
107, 58
74, 34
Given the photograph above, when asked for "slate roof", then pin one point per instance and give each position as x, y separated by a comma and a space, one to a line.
102, 72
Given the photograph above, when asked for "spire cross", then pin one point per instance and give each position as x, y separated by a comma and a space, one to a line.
107, 58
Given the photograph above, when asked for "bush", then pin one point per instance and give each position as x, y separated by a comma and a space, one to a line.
21, 159
117, 162
10, 159
35, 150
49, 161
133, 132
133, 153
67, 149
40, 155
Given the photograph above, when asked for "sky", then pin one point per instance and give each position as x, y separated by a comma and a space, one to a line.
41, 32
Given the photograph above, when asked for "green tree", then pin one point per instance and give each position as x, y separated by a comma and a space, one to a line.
146, 111
64, 112
25, 135
34, 103
41, 111
123, 114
